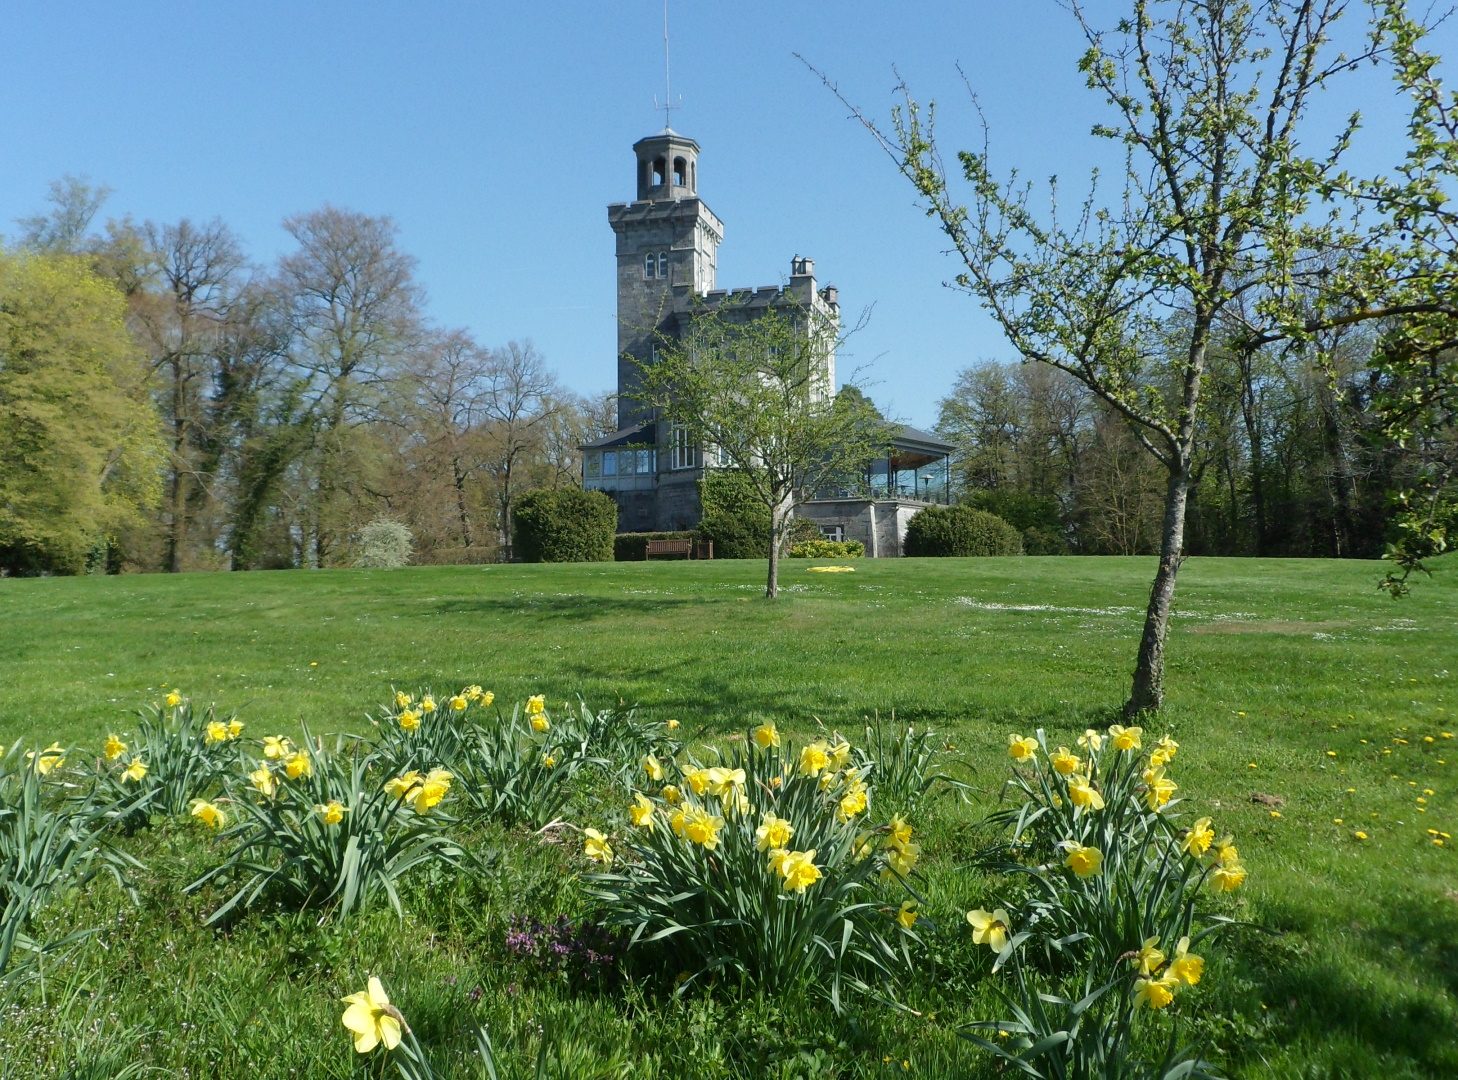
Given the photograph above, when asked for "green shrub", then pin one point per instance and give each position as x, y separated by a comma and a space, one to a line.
960, 531
384, 545
1037, 517
827, 549
734, 518
564, 525
633, 547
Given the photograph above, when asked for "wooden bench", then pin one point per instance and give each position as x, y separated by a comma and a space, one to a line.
669, 547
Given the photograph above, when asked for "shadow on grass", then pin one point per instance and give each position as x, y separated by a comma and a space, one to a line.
569, 606
1342, 1002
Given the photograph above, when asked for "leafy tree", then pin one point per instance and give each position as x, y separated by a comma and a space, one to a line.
754, 389
79, 445
1209, 105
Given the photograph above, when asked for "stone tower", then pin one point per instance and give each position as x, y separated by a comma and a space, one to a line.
668, 250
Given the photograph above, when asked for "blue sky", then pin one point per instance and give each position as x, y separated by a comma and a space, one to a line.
496, 134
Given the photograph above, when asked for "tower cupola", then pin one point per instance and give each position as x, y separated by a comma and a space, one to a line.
668, 165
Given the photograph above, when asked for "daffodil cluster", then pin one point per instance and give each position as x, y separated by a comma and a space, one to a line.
753, 858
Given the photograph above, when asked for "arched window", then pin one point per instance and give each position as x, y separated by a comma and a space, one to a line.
680, 172
650, 261
663, 264
660, 170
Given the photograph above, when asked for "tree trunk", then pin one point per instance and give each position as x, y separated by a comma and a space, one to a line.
779, 523
177, 494
460, 485
1147, 693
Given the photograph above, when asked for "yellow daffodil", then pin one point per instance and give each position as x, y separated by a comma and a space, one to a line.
1091, 740
1082, 794
409, 720
671, 795
540, 723
1155, 993
902, 859
641, 812
1186, 966
402, 699
907, 915
400, 786
814, 759
653, 768
549, 761
799, 870
427, 704
766, 736
459, 703
536, 705
899, 832
1125, 738
596, 847
52, 757
298, 764
1149, 958
1199, 837
235, 728
487, 697
697, 780
702, 828
1225, 852
724, 782
773, 832
1064, 763
1164, 751
172, 700
276, 747
216, 732
263, 780
989, 928
864, 846
372, 1019
208, 814
427, 793
135, 771
331, 812
1085, 861
1158, 788
1227, 877
114, 748
851, 804
1021, 749
839, 753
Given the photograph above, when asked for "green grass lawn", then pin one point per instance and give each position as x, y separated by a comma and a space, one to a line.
1293, 680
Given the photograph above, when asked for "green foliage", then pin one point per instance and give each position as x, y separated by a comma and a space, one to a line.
708, 888
633, 547
905, 765
960, 531
564, 525
320, 830
516, 775
734, 516
827, 549
384, 544
1037, 517
46, 847
80, 451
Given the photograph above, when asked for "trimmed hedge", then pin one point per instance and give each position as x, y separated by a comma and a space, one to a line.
564, 525
960, 531
734, 518
827, 549
632, 547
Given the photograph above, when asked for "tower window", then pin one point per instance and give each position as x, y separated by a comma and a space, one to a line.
650, 261
660, 170
680, 172
663, 264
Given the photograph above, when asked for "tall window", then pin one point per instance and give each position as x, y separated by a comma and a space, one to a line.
663, 264
650, 263
681, 451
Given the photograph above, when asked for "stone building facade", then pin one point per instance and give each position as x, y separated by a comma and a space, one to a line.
667, 270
